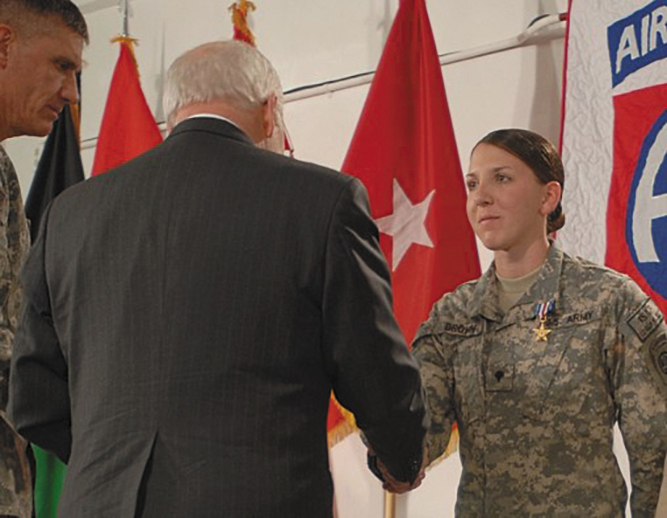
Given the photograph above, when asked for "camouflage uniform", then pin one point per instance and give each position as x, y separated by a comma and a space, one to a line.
536, 417
15, 484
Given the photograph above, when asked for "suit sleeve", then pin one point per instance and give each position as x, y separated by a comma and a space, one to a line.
373, 373
637, 376
38, 387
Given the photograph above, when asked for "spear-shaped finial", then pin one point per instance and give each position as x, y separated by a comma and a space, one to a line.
240, 10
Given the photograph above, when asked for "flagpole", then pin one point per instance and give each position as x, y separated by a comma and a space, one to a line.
389, 505
124, 6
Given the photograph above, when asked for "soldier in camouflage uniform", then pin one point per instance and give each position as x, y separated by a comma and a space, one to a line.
41, 43
15, 493
537, 380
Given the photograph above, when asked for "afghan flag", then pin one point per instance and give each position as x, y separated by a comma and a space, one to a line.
59, 168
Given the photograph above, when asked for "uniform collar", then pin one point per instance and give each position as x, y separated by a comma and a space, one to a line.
546, 287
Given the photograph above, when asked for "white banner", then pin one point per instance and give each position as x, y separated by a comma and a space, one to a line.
615, 47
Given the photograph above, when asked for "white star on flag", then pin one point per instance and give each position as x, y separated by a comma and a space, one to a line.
407, 225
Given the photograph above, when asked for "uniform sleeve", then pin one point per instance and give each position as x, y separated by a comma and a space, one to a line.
13, 246
38, 388
373, 374
437, 375
6, 285
641, 404
6, 278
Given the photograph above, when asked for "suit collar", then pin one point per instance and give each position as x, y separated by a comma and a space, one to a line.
211, 125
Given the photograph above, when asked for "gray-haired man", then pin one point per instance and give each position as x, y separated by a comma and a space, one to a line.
190, 312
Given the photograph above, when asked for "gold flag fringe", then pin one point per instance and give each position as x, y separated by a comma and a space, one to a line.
75, 110
344, 428
452, 446
240, 10
130, 42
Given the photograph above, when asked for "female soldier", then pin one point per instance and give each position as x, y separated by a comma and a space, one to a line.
538, 358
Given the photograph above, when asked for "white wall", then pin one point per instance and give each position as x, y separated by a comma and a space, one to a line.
318, 40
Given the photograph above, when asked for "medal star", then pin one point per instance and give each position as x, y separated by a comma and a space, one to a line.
541, 333
407, 225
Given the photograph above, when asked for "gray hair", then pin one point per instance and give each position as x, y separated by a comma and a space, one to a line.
229, 71
22, 13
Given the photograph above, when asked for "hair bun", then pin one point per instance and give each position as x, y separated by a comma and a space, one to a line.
555, 219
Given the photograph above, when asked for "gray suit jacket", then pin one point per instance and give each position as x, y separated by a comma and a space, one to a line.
188, 315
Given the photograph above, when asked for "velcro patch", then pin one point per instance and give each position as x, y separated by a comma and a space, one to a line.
459, 329
575, 318
644, 321
657, 359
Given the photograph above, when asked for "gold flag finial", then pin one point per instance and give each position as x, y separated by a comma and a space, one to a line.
240, 10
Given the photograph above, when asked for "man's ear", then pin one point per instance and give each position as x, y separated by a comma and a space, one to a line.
7, 37
269, 115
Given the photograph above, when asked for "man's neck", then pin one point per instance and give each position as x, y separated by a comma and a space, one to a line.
5, 131
213, 116
246, 121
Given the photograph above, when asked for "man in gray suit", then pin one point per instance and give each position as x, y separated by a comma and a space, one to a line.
189, 313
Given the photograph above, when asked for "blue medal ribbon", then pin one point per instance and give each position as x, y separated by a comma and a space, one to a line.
544, 308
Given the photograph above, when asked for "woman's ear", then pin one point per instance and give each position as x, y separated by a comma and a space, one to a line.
552, 195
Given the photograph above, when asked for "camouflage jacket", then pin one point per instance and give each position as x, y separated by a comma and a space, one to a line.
15, 485
14, 247
536, 417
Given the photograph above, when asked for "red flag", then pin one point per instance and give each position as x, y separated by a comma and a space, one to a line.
128, 126
404, 151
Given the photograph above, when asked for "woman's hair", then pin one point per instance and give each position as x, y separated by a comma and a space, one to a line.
537, 153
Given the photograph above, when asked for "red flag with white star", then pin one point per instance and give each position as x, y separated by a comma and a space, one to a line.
404, 151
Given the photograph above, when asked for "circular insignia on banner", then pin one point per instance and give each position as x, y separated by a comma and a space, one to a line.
646, 220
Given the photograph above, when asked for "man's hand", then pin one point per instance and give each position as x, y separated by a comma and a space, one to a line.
394, 486
389, 483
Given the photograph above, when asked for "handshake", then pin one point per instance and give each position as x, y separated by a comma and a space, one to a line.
389, 483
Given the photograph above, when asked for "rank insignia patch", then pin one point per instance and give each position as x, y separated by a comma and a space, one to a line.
644, 321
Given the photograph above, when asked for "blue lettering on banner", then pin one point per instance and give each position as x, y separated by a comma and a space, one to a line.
638, 40
646, 221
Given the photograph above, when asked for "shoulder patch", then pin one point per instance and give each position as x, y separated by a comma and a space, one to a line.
645, 319
657, 359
